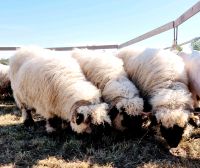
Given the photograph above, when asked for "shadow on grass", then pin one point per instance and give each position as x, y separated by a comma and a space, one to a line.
25, 147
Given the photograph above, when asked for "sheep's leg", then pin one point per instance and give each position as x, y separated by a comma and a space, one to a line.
27, 117
49, 128
54, 124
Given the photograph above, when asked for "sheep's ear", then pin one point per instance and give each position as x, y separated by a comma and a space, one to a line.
79, 118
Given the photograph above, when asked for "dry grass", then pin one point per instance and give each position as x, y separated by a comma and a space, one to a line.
22, 147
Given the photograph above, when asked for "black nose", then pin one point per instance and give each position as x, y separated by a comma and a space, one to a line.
132, 121
172, 135
147, 105
79, 119
99, 129
113, 113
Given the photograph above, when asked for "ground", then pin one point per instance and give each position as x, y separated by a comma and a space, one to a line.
32, 147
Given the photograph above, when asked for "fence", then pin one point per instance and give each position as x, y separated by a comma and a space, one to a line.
171, 25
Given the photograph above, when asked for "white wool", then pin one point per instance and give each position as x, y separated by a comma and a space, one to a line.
107, 72
99, 115
161, 76
51, 84
192, 63
131, 105
170, 117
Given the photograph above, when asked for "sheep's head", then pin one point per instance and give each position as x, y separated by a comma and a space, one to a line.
122, 121
172, 124
86, 118
125, 113
117, 118
172, 135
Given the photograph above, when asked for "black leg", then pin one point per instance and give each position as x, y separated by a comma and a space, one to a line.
28, 120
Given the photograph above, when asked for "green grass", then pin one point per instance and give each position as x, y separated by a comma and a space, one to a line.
4, 61
23, 147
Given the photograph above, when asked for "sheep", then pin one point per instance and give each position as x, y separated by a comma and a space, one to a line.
107, 73
161, 78
192, 63
55, 87
5, 88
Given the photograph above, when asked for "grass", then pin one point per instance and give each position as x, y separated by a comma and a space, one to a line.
23, 147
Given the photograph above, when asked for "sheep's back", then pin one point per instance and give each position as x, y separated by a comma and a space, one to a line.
152, 69
51, 84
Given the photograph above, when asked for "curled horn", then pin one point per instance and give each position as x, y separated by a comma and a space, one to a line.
76, 106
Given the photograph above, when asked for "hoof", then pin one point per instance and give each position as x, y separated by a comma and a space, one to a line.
172, 135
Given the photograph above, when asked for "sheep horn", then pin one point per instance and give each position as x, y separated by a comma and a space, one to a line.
77, 105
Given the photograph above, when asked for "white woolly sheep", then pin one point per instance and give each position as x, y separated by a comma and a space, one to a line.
55, 87
192, 63
5, 89
161, 77
107, 73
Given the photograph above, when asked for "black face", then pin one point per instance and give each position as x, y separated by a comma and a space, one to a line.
79, 119
197, 109
113, 113
147, 105
100, 129
130, 122
172, 135
134, 122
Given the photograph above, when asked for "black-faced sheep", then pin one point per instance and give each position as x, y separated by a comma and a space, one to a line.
107, 73
55, 87
161, 77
